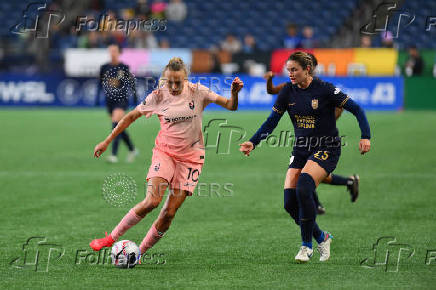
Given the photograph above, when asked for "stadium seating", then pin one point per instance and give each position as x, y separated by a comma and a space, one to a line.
415, 33
208, 22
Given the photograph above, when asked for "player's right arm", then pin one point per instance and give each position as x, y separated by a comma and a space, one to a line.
270, 88
122, 125
269, 125
147, 108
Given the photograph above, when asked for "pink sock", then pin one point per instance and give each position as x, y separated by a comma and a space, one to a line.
128, 221
152, 237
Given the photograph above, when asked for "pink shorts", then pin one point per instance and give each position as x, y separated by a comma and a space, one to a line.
180, 175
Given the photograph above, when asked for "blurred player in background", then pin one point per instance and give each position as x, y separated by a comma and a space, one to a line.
351, 182
178, 155
310, 103
118, 83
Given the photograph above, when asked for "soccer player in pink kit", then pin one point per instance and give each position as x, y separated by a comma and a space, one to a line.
178, 155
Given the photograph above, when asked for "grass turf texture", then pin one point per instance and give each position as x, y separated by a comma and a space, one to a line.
51, 187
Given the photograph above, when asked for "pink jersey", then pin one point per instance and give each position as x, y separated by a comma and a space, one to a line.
180, 118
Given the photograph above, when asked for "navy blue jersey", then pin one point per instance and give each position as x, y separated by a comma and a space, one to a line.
117, 83
312, 110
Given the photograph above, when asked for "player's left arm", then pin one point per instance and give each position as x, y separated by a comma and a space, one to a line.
341, 100
232, 103
338, 112
357, 111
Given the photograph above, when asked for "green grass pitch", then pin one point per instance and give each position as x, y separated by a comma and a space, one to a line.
51, 187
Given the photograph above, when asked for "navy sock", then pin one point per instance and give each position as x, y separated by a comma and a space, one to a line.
116, 141
307, 244
318, 234
291, 203
126, 140
340, 180
307, 209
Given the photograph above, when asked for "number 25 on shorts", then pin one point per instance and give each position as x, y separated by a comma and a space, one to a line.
321, 155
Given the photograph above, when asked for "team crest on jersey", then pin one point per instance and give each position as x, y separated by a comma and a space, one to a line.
191, 105
156, 167
315, 104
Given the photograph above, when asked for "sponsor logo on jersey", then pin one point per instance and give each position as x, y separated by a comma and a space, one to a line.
315, 104
179, 119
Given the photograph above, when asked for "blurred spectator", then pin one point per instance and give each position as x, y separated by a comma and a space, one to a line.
142, 39
414, 64
365, 41
90, 40
142, 9
249, 44
292, 40
164, 43
67, 40
127, 13
176, 10
216, 62
158, 9
231, 44
308, 41
387, 39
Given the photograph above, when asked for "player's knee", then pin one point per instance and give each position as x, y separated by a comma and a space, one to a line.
305, 186
168, 213
150, 204
305, 189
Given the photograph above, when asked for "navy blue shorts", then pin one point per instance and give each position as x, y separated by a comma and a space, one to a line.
112, 106
326, 157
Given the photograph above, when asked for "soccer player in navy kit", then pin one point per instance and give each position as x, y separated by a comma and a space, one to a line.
351, 182
310, 103
117, 82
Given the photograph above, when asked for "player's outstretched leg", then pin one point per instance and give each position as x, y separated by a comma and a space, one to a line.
353, 187
351, 182
155, 191
160, 226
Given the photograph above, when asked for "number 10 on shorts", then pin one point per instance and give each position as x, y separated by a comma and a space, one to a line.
193, 174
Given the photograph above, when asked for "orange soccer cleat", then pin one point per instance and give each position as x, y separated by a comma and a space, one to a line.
97, 244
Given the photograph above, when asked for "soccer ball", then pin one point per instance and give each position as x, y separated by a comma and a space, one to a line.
125, 254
